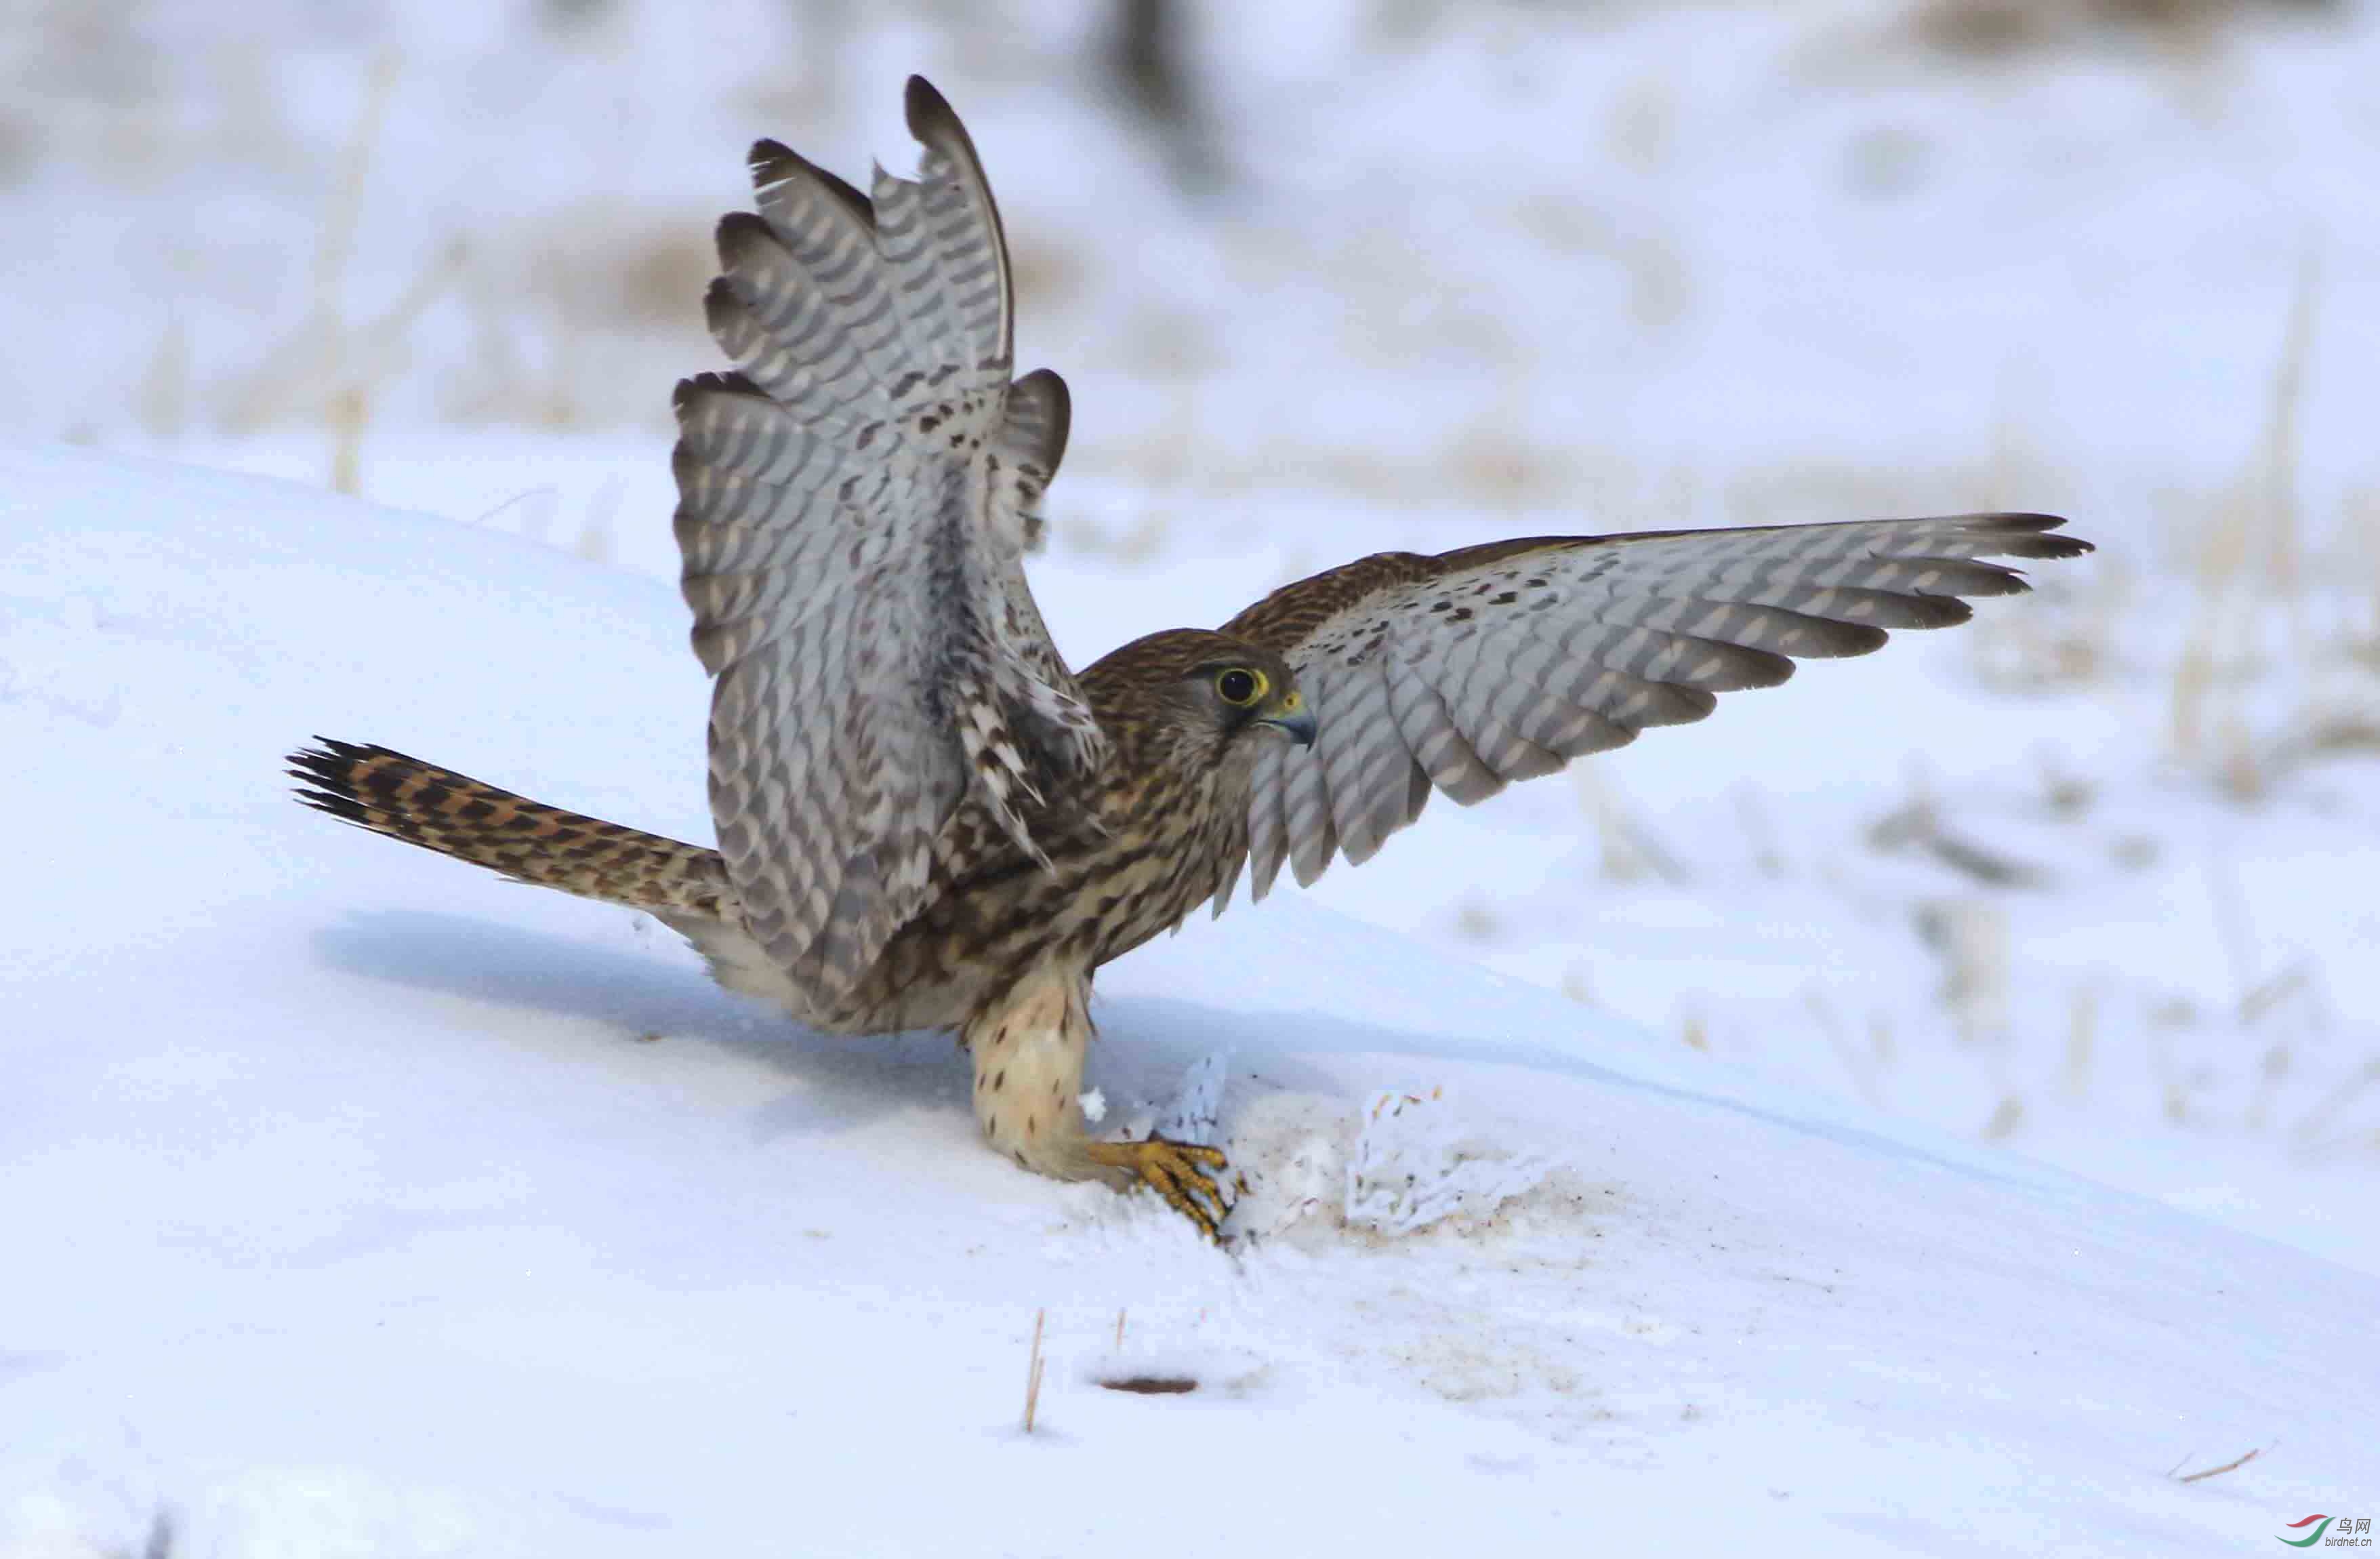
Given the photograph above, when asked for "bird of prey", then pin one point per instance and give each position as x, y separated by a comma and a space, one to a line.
927, 819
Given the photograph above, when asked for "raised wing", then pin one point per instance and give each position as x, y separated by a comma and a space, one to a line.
1469, 670
854, 504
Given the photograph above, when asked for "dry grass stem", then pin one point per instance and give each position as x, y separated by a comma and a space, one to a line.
350, 414
1033, 1373
1971, 936
2217, 1472
1627, 850
2006, 1117
2335, 1103
2270, 993
333, 249
2081, 1036
2272, 1070
2233, 927
1860, 1069
1759, 832
161, 400
2258, 521
2285, 443
335, 243
1917, 825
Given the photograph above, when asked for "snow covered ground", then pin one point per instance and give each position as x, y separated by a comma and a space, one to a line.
1971, 880
2084, 886
359, 1203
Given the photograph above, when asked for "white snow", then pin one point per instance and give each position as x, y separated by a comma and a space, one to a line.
359, 1203
355, 1204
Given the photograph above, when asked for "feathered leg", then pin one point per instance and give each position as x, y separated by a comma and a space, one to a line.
1028, 1044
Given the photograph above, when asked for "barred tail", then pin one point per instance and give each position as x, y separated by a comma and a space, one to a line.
526, 840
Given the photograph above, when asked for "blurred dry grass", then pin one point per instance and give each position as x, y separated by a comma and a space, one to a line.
554, 323
1999, 28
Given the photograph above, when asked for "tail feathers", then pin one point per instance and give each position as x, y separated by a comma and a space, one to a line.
528, 841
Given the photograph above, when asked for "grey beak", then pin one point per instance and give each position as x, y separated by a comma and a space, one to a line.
1297, 725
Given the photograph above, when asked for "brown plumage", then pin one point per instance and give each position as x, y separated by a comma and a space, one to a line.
926, 819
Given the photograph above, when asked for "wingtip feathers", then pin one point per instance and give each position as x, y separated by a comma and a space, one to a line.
774, 164
2027, 535
928, 113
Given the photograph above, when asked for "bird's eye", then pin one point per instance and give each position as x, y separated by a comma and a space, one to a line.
1239, 686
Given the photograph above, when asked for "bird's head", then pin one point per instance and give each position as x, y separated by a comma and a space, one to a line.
1248, 690
1218, 693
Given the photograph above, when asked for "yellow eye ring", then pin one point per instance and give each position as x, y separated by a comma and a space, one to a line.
1241, 686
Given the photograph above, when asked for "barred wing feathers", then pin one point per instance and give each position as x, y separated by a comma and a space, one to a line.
854, 503
1465, 671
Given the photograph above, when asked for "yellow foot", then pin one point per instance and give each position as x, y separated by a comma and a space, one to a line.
1176, 1171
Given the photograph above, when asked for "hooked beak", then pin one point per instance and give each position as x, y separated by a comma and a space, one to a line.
1292, 718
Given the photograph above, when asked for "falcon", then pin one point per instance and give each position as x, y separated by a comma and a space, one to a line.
927, 819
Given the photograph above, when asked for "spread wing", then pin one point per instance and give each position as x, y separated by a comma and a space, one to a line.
1469, 670
854, 504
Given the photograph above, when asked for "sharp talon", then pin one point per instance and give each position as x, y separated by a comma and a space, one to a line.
1178, 1172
